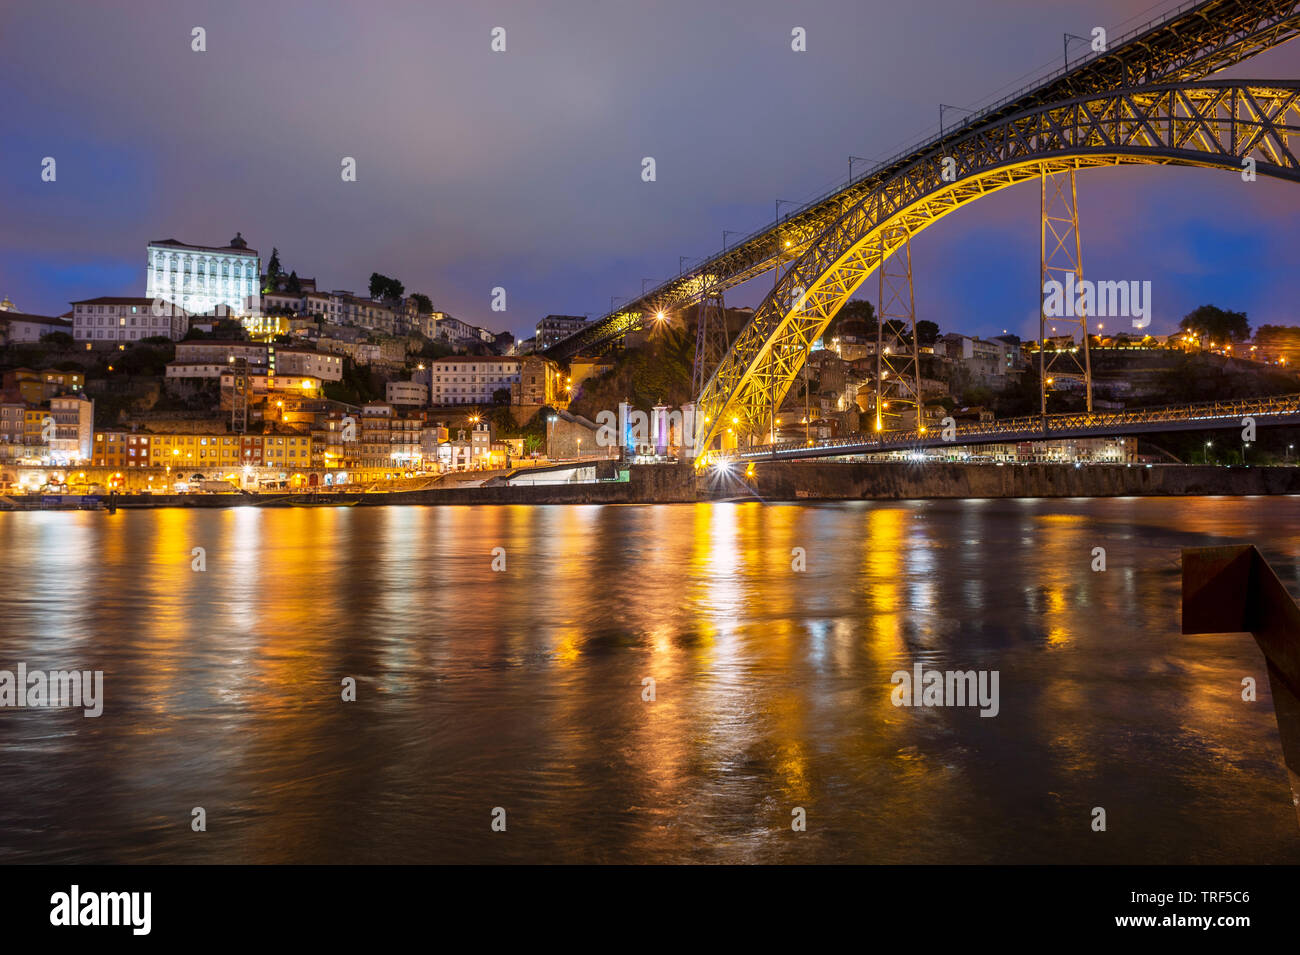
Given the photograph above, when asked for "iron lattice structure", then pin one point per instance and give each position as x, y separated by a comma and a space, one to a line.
1268, 412
711, 338
1192, 44
1062, 262
1215, 125
898, 367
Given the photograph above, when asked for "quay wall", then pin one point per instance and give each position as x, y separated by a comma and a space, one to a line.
795, 481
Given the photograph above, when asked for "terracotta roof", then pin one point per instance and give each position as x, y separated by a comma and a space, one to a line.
39, 319
115, 300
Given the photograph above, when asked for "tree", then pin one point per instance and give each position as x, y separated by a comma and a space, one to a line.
927, 333
858, 308
273, 272
898, 328
229, 328
383, 288
294, 284
501, 396
423, 304
58, 339
1217, 324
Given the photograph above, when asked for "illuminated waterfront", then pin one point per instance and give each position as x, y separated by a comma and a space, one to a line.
523, 688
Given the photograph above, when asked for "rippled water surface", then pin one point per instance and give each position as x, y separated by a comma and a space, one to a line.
523, 689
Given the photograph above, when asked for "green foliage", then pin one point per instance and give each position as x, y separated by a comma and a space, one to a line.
146, 360
433, 350
357, 386
273, 272
382, 287
657, 373
1219, 325
858, 308
423, 304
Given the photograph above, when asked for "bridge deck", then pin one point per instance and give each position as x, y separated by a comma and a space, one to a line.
1193, 42
1279, 410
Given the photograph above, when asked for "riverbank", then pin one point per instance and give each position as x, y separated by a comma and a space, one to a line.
816, 480
769, 481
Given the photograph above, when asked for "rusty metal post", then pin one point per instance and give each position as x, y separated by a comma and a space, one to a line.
1233, 589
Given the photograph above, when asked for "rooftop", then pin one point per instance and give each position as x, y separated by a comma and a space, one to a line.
237, 246
8, 316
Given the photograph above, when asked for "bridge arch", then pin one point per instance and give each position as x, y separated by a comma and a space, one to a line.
1208, 124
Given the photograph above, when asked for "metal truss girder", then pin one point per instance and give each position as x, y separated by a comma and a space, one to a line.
1188, 46
1062, 260
1235, 119
1272, 411
711, 338
897, 384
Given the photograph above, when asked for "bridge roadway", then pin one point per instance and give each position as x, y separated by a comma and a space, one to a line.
1194, 42
1277, 410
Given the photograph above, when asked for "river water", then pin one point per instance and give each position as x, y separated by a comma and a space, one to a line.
522, 690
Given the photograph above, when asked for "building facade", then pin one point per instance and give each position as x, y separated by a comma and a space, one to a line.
411, 393
110, 320
471, 379
201, 279
556, 328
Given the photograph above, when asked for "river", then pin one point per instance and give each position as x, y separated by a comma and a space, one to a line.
520, 693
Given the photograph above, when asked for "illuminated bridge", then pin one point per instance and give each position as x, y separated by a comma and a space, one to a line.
1278, 410
1147, 99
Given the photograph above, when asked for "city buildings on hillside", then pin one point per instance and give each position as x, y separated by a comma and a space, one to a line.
454, 331
556, 328
410, 393
471, 379
204, 358
19, 327
109, 320
58, 433
34, 387
541, 382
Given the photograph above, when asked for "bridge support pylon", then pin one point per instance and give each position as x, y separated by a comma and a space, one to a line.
711, 340
1063, 351
898, 366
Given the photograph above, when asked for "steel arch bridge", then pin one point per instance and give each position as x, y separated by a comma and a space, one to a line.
1204, 123
1195, 41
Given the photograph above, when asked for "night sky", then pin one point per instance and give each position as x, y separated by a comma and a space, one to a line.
522, 169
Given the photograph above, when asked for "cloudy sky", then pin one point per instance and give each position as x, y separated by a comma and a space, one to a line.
522, 169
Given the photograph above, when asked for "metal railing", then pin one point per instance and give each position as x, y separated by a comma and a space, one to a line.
1024, 95
1042, 427
1233, 589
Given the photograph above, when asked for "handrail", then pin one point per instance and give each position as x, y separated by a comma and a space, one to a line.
1233, 589
1045, 427
1117, 47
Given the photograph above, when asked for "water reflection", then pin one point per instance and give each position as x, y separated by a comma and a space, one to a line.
524, 688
